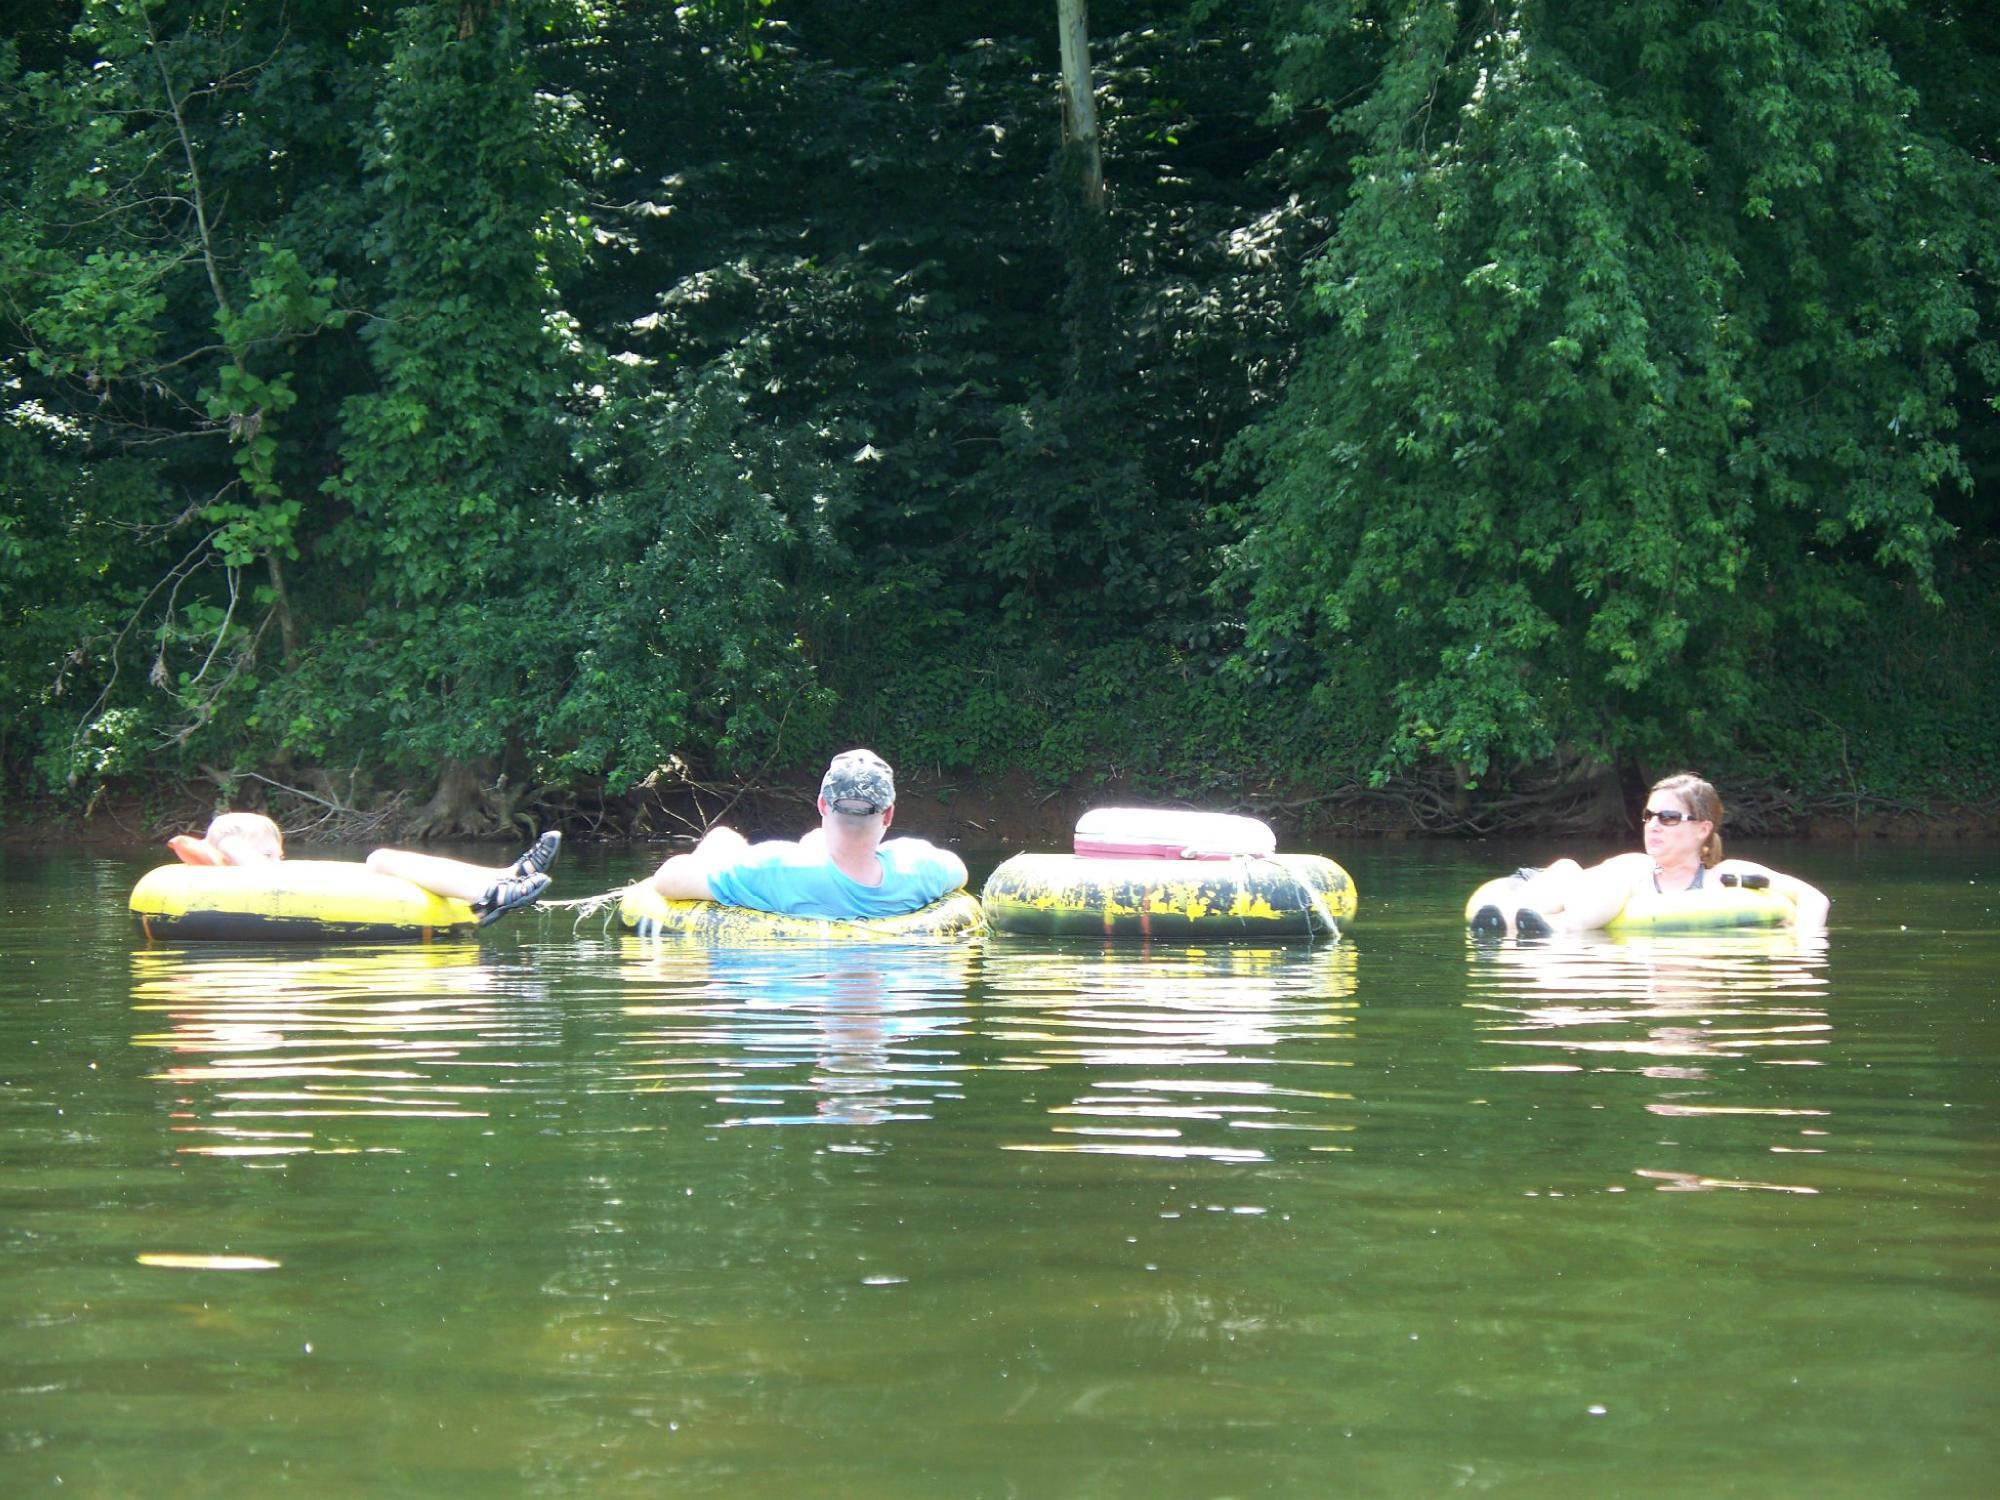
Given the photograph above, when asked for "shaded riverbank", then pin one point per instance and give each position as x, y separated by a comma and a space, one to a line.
998, 813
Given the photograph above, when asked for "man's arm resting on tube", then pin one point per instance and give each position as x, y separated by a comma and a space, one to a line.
684, 877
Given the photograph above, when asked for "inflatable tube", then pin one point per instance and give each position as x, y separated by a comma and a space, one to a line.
1710, 907
1277, 895
309, 900
650, 914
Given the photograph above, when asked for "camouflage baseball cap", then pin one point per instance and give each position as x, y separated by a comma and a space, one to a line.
859, 781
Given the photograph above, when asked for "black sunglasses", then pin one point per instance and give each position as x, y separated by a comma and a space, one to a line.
1667, 816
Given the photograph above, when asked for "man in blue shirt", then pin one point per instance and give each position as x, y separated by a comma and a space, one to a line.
842, 869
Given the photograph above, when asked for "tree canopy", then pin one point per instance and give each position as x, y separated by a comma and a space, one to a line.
1640, 355
537, 398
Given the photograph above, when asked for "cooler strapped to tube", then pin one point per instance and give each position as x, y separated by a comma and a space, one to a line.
1164, 833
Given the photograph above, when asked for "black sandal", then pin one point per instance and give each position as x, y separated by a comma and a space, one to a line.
541, 854
506, 895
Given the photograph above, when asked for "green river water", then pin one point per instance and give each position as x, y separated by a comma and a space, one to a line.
562, 1212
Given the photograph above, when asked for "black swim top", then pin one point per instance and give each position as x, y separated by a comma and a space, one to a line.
1693, 885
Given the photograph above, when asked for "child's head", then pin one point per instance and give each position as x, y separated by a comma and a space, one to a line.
246, 838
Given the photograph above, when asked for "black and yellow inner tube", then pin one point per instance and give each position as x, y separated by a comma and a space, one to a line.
1274, 895
650, 914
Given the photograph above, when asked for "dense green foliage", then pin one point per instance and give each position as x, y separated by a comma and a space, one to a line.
555, 394
1646, 329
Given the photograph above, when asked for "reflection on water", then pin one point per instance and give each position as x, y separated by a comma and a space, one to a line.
793, 1035
1182, 1043
1707, 1019
278, 1054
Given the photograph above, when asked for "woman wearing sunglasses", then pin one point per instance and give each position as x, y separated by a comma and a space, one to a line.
1682, 827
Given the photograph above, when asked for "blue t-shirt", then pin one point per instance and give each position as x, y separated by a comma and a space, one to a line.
800, 881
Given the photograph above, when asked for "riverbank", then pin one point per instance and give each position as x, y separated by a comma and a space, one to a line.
995, 813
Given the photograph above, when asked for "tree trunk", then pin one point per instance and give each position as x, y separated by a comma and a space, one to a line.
1079, 103
288, 631
454, 807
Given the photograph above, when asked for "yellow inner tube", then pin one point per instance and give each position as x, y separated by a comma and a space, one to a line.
650, 914
1709, 907
295, 900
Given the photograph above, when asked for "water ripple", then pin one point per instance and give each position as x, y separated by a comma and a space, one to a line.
1722, 1032
797, 1035
1180, 1053
287, 1054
